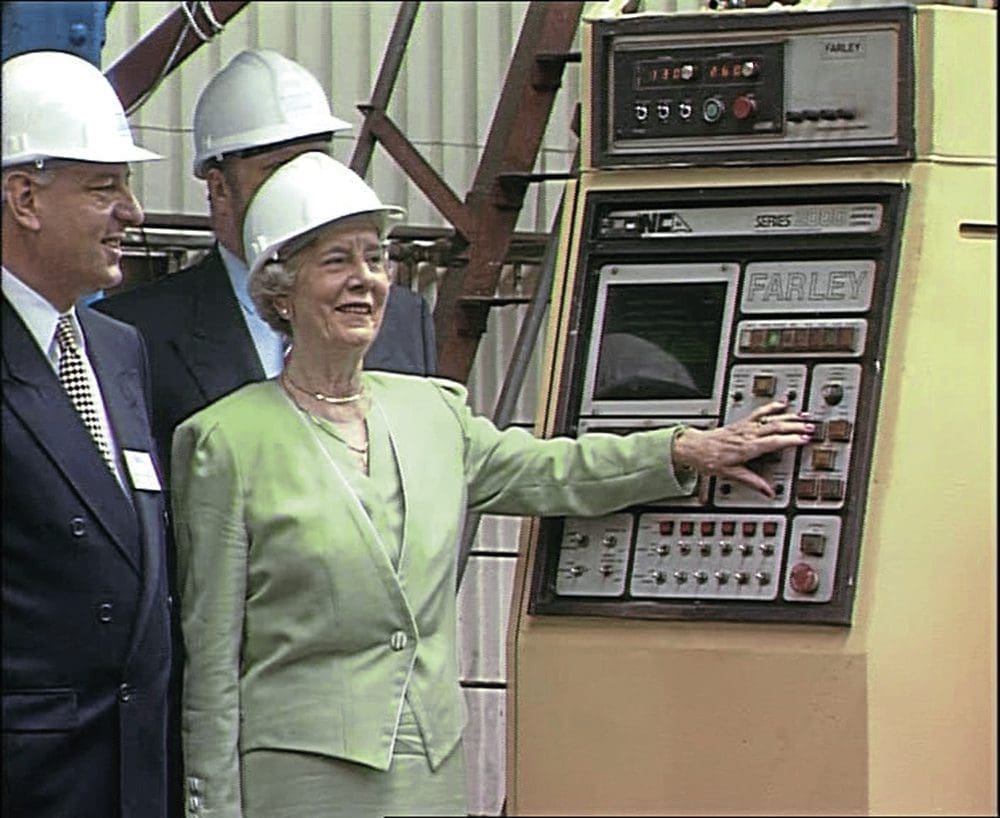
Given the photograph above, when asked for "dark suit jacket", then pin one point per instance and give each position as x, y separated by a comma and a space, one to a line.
200, 348
86, 642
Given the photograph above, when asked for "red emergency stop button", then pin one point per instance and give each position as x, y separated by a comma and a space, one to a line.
803, 578
744, 106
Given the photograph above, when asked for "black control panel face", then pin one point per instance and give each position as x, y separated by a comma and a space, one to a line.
698, 92
751, 88
698, 306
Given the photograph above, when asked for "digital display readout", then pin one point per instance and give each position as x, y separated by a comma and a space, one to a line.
672, 72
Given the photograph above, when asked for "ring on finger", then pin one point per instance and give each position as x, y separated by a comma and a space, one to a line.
763, 421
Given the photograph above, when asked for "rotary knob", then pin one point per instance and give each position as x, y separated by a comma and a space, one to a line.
803, 578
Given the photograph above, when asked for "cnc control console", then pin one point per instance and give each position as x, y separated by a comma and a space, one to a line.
697, 307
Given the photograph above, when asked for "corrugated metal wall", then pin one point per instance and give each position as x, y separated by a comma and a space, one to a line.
444, 101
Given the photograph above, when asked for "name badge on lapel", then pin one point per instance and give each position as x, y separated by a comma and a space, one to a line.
141, 471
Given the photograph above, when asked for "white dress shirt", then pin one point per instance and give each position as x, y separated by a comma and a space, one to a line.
269, 344
41, 319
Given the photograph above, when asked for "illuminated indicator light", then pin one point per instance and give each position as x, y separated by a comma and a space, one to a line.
773, 339
666, 527
846, 338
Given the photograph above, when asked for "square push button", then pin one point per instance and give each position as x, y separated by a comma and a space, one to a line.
839, 430
813, 544
763, 385
824, 458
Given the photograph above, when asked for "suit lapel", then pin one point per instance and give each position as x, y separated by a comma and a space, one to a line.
34, 394
217, 345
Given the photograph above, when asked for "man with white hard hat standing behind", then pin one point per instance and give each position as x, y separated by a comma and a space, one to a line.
86, 641
204, 335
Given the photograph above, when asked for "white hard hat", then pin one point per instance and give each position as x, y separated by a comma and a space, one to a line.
260, 98
307, 192
59, 106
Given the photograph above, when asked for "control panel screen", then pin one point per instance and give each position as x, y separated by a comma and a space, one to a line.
752, 300
660, 341
660, 332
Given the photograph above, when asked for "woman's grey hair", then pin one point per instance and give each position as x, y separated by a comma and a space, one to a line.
273, 280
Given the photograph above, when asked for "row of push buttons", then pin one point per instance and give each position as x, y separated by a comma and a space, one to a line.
809, 488
798, 339
836, 431
769, 528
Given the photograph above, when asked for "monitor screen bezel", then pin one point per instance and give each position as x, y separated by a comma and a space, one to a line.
610, 275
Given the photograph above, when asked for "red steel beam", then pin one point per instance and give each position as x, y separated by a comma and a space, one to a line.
417, 168
516, 133
140, 68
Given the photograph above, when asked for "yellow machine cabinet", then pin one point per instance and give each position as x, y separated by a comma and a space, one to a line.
798, 202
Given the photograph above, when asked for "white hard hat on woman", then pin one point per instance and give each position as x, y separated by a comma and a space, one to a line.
59, 106
260, 98
309, 191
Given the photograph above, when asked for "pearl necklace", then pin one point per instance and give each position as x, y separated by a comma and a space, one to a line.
320, 396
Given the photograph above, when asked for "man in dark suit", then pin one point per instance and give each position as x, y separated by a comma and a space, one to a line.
86, 641
204, 335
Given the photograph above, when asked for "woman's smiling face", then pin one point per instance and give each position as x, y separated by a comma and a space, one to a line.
341, 284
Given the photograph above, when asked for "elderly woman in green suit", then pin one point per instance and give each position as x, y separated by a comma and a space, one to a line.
317, 516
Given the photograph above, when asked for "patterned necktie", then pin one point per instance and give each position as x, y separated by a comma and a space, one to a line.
74, 379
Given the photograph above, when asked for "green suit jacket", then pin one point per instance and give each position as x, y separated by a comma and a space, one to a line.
299, 632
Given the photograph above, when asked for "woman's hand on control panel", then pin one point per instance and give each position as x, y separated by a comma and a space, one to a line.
724, 451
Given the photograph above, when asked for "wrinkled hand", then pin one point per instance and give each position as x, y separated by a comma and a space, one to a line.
724, 451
